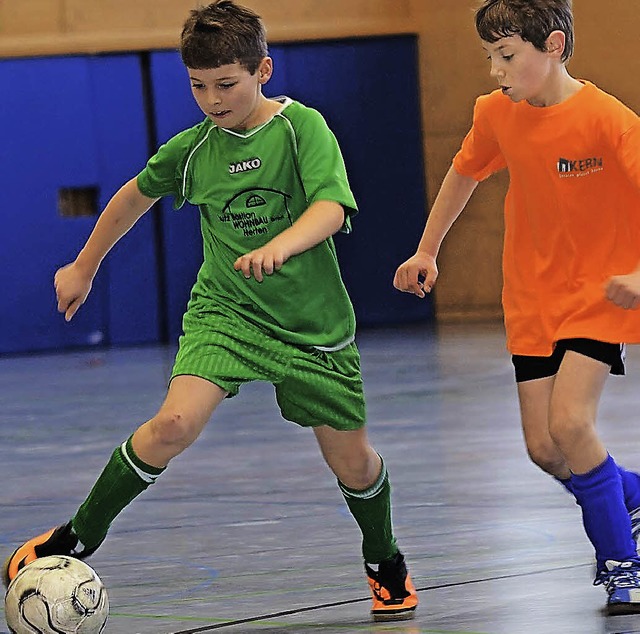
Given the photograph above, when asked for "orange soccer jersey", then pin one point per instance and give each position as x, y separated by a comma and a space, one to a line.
572, 213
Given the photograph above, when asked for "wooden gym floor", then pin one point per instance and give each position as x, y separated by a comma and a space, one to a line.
247, 532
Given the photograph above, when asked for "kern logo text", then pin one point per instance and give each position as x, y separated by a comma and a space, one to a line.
574, 168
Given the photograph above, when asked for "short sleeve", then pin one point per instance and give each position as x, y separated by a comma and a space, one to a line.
164, 172
480, 155
321, 165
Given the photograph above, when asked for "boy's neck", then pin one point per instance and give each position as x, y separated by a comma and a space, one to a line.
560, 88
266, 110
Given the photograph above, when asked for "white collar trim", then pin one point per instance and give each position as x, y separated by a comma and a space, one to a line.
284, 101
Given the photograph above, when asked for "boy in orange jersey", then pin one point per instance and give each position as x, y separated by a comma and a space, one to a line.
571, 259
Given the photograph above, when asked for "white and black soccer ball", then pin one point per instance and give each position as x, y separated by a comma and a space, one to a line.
56, 595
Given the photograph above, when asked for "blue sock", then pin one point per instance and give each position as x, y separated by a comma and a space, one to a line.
631, 486
604, 513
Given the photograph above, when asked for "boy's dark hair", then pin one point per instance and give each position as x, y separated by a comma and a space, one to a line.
223, 33
532, 20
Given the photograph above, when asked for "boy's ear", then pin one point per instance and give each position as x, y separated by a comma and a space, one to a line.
265, 70
556, 43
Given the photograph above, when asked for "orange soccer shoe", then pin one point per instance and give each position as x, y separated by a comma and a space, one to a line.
394, 595
57, 541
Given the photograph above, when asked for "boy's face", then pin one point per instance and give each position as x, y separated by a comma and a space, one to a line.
229, 95
522, 71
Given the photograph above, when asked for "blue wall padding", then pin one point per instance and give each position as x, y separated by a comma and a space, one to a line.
70, 122
122, 151
48, 139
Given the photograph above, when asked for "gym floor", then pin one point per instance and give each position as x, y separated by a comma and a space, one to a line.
247, 532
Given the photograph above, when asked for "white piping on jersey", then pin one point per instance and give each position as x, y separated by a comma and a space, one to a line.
286, 101
291, 130
342, 344
186, 165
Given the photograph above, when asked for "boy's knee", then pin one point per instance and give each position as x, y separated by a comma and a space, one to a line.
569, 425
548, 458
359, 471
172, 428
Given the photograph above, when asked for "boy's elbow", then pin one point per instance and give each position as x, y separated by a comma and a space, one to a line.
331, 215
339, 219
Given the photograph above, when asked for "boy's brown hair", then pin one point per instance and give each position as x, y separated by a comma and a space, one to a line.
222, 33
532, 20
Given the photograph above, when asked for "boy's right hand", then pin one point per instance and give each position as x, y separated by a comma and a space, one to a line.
72, 286
417, 275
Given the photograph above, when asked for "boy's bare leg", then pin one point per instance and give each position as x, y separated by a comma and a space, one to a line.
573, 410
189, 404
349, 455
535, 401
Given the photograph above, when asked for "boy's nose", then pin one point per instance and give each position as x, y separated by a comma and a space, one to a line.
214, 98
496, 73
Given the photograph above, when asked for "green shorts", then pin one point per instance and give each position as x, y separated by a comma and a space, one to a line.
312, 387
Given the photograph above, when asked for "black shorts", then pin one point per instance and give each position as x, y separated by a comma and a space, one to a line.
530, 368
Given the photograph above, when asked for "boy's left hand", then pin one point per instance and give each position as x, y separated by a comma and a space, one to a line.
266, 259
624, 290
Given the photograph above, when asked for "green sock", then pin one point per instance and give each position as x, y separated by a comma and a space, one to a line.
371, 509
124, 478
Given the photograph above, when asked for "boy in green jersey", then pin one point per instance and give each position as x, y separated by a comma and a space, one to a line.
268, 304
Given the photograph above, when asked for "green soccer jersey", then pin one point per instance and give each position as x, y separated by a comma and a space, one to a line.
249, 187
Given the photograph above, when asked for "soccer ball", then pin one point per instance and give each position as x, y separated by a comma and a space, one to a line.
56, 595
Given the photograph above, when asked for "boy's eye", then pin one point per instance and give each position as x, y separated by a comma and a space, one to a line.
227, 85
507, 58
197, 86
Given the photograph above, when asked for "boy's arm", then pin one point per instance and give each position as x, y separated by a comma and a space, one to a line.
322, 219
73, 281
454, 194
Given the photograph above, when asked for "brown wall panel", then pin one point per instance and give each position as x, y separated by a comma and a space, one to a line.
124, 15
470, 282
608, 47
34, 17
44, 27
452, 67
